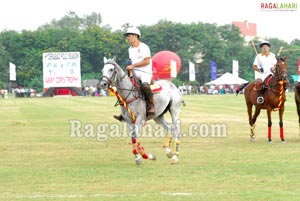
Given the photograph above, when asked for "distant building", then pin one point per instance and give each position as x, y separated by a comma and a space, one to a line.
247, 29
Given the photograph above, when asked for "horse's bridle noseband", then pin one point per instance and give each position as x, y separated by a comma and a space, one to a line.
278, 72
111, 81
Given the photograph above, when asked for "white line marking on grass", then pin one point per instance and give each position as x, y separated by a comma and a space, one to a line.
226, 193
39, 196
73, 196
179, 194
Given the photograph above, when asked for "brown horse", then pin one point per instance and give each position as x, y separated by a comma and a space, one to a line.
297, 101
274, 96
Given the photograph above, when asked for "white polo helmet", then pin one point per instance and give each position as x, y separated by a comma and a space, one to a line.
264, 43
133, 30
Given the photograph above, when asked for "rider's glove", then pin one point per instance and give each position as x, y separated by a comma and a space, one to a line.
128, 62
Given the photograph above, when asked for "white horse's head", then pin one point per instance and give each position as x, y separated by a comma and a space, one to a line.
109, 73
112, 74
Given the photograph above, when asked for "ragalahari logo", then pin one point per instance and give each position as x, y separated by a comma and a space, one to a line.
278, 6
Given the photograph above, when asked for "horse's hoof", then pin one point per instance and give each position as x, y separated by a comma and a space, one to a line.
138, 159
270, 141
152, 157
169, 153
252, 139
174, 159
283, 141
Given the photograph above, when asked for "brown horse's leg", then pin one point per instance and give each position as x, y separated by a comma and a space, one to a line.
269, 125
298, 111
298, 108
281, 123
256, 113
297, 94
252, 127
249, 110
253, 120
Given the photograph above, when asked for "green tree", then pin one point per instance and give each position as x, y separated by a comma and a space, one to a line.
292, 51
69, 21
4, 67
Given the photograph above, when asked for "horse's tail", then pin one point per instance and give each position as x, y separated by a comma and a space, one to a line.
241, 88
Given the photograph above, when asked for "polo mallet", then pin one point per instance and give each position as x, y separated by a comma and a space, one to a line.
253, 45
129, 62
291, 50
279, 51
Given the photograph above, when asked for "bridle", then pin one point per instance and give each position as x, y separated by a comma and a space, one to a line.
111, 82
279, 78
278, 72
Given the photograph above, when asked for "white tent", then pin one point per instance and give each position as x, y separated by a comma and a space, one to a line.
227, 78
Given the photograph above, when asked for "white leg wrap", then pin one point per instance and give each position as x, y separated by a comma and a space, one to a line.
174, 159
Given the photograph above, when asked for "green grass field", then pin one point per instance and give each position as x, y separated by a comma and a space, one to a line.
39, 160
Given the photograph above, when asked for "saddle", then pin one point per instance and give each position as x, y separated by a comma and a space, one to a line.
262, 85
137, 83
155, 88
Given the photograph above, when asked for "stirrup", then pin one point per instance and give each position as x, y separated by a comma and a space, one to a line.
120, 117
260, 100
151, 110
150, 113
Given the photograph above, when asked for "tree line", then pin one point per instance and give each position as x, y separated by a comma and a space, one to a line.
193, 42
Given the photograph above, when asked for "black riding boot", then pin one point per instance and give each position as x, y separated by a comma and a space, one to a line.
149, 98
259, 86
120, 117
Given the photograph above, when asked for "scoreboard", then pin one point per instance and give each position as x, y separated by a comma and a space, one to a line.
61, 69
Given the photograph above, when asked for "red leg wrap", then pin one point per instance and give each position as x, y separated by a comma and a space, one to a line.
145, 156
269, 132
134, 146
281, 133
142, 151
135, 151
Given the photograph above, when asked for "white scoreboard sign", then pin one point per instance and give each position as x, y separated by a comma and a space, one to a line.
61, 69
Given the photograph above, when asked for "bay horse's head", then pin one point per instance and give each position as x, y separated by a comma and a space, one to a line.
281, 68
109, 73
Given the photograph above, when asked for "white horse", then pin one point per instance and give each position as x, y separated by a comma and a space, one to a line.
168, 99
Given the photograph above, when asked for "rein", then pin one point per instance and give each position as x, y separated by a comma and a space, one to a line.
281, 91
111, 83
124, 103
120, 100
280, 82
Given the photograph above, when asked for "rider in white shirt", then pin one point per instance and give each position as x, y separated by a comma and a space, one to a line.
264, 63
139, 54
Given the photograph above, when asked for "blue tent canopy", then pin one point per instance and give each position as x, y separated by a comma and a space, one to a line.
295, 77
